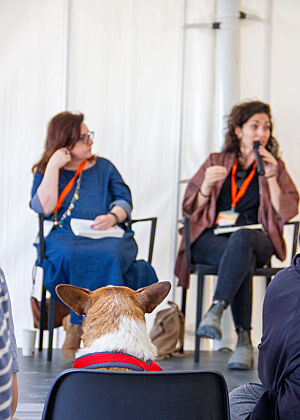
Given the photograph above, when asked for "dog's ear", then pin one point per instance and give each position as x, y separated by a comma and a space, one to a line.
153, 295
76, 298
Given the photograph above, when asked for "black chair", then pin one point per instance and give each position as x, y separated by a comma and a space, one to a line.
201, 270
51, 313
79, 394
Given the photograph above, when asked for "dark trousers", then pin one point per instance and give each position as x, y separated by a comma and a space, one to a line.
236, 255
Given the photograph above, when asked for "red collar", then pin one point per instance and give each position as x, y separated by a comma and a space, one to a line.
119, 360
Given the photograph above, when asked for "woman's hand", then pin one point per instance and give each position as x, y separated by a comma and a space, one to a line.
213, 174
60, 158
48, 189
104, 222
270, 163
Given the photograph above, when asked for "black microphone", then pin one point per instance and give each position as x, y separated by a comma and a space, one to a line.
259, 161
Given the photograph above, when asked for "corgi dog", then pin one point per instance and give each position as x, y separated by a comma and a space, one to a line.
114, 327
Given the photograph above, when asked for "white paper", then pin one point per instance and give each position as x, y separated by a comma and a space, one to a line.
229, 229
83, 227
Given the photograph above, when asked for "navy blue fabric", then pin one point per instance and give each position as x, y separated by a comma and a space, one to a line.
236, 255
93, 263
279, 350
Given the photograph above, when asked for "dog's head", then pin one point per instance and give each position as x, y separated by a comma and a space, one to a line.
106, 308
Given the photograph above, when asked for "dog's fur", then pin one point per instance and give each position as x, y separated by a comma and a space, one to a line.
114, 318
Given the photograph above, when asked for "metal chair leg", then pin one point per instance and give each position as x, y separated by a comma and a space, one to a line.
183, 300
152, 238
42, 318
183, 307
198, 315
51, 318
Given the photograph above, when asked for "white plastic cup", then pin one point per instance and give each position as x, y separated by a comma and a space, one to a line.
28, 342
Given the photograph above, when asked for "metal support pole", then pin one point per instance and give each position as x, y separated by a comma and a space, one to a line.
66, 47
64, 106
226, 95
227, 64
178, 149
268, 52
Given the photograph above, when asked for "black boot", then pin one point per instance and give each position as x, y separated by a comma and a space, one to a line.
209, 327
242, 358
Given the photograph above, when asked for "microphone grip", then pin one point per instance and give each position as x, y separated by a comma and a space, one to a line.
259, 161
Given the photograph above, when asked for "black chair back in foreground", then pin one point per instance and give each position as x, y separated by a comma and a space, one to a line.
79, 394
51, 314
201, 270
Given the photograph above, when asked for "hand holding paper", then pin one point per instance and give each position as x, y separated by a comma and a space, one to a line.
84, 227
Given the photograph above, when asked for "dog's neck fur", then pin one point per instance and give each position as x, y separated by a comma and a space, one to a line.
131, 337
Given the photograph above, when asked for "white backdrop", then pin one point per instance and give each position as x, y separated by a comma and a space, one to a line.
124, 75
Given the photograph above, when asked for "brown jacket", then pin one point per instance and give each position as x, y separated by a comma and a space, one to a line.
204, 217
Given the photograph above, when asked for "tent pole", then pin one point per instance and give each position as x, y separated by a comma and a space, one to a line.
66, 47
268, 52
227, 64
226, 95
178, 146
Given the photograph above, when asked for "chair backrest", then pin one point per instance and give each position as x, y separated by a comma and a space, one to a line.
153, 221
79, 394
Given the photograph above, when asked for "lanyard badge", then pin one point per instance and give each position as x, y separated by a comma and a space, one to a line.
229, 217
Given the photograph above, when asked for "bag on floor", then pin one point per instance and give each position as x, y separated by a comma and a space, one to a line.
60, 312
167, 331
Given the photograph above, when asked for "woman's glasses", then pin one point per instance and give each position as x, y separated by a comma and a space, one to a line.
87, 137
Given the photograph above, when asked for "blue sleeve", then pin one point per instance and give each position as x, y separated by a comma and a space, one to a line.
35, 201
121, 195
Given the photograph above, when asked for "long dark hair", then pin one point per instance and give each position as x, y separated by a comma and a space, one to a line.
239, 115
63, 131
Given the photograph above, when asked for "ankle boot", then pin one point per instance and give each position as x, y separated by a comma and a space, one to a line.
209, 327
72, 340
242, 358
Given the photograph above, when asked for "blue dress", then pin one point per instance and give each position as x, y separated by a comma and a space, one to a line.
85, 262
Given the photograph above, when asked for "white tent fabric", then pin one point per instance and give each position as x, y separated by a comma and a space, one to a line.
124, 74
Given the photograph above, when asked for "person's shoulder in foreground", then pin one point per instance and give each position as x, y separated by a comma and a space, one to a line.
10, 324
5, 352
279, 360
13, 345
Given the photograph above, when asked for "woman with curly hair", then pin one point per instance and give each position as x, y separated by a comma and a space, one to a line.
226, 188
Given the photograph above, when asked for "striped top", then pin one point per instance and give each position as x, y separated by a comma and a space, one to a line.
10, 324
5, 352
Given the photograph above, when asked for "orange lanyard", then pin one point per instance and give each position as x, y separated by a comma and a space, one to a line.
235, 194
68, 187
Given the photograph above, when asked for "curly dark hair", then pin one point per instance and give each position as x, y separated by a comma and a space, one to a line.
63, 131
239, 115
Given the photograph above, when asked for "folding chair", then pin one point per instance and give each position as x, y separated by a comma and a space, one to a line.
91, 394
51, 313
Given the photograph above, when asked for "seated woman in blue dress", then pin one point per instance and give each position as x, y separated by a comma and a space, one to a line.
71, 182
